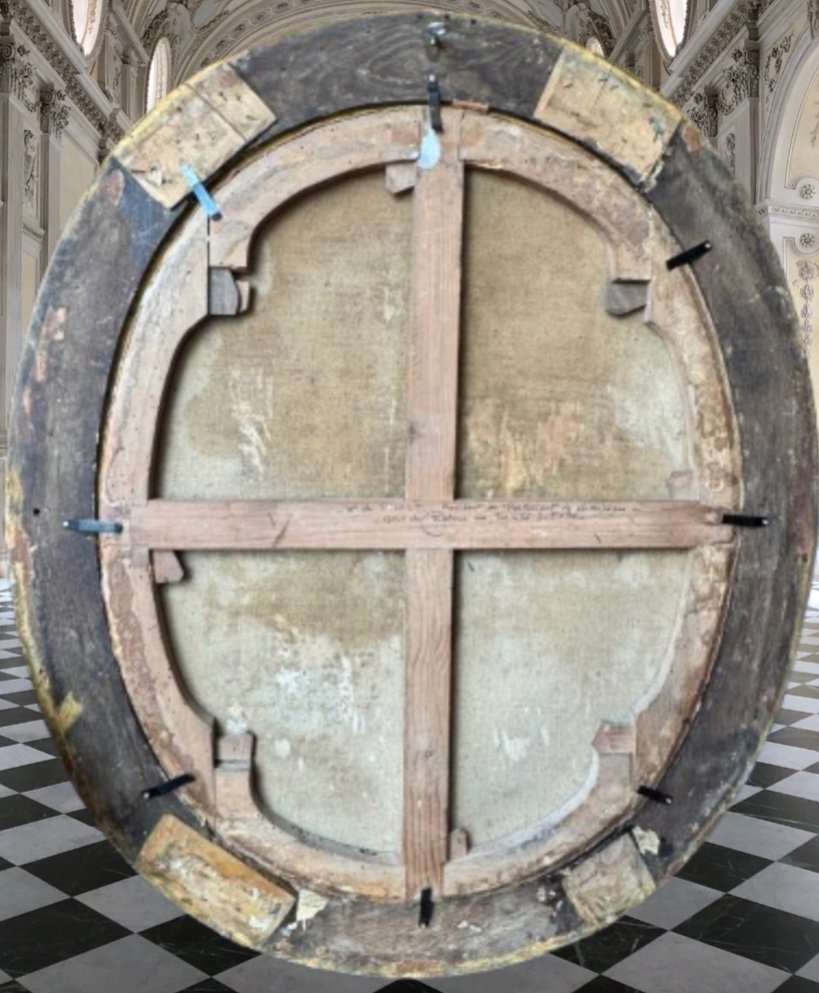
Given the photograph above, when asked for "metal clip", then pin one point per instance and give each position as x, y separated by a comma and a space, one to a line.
745, 521
656, 796
435, 32
88, 525
202, 195
426, 909
434, 100
171, 786
689, 255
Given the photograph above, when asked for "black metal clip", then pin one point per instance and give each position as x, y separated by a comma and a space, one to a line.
656, 796
427, 909
171, 786
434, 100
88, 525
689, 255
745, 520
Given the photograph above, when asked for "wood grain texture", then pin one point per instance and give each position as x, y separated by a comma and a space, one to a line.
436, 317
742, 284
66, 638
464, 524
432, 412
320, 71
427, 721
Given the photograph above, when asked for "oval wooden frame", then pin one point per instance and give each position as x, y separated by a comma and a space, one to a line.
83, 306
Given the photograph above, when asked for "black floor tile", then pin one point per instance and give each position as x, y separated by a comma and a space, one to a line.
13, 987
17, 810
32, 777
22, 699
5, 865
407, 986
721, 868
85, 816
812, 768
806, 857
743, 927
785, 716
766, 775
793, 985
6, 741
47, 745
791, 810
805, 691
803, 677
197, 945
798, 737
42, 937
83, 869
602, 984
603, 950
206, 986
16, 715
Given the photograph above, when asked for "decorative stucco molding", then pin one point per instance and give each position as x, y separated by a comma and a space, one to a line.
22, 13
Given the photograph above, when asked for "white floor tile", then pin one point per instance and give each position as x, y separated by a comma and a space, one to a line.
803, 784
801, 704
61, 797
266, 974
675, 964
21, 671
34, 730
12, 756
757, 837
810, 970
5, 791
674, 902
21, 892
784, 887
801, 666
548, 973
131, 902
41, 839
807, 723
8, 686
7, 704
787, 756
130, 965
6, 654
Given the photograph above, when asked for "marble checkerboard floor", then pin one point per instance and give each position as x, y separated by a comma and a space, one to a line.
741, 917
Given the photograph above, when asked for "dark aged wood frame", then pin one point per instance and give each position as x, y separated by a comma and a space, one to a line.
84, 305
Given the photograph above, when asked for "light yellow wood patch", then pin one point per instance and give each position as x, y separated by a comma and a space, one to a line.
608, 882
597, 103
211, 884
202, 124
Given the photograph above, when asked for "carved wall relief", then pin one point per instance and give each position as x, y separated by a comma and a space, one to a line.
31, 170
730, 152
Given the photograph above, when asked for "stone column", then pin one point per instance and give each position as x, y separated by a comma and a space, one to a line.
53, 121
15, 75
